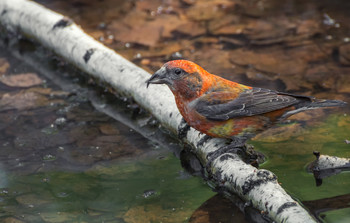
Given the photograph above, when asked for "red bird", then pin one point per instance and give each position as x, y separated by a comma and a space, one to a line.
225, 109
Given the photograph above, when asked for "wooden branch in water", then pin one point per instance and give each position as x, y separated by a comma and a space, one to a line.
326, 166
228, 171
323, 162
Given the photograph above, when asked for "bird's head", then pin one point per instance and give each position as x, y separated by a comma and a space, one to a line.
182, 76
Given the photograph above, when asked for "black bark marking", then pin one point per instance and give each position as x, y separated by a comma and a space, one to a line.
229, 149
203, 140
250, 184
183, 129
4, 12
264, 176
218, 175
64, 22
225, 151
171, 114
226, 157
285, 206
88, 55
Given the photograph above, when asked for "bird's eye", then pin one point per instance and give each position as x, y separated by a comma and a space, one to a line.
178, 71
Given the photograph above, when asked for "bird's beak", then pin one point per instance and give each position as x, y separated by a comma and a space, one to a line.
159, 77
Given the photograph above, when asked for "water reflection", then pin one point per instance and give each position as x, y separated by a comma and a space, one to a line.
3, 177
296, 46
64, 161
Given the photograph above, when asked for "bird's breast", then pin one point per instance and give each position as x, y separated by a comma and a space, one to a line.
222, 129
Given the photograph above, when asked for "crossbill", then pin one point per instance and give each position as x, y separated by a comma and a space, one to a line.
225, 109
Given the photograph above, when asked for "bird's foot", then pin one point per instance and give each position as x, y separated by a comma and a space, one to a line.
245, 151
248, 155
229, 149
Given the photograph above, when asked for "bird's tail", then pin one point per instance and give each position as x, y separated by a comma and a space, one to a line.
319, 103
314, 104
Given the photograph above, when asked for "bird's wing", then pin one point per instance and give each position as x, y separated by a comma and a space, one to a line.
225, 105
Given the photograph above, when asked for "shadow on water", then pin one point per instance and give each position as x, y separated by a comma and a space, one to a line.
64, 160
89, 156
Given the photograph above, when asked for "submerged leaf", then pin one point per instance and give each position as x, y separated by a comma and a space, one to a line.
22, 100
4, 65
21, 80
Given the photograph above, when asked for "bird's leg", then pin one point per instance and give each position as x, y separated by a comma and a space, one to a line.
238, 142
236, 146
182, 129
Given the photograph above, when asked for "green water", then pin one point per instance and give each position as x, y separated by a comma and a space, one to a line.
95, 169
158, 190
339, 216
89, 167
110, 192
289, 159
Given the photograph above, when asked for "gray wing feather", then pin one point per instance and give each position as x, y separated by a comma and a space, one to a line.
251, 102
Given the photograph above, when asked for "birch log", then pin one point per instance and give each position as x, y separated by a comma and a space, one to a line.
65, 38
331, 162
326, 166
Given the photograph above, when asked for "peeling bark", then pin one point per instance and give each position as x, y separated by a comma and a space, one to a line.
227, 171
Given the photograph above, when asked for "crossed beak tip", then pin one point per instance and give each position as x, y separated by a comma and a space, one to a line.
159, 77
149, 81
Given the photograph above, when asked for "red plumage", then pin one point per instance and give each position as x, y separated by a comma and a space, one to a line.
226, 109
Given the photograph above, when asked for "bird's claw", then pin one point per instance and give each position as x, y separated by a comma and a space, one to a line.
228, 150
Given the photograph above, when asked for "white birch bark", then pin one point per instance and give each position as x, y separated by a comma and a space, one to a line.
325, 162
69, 41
